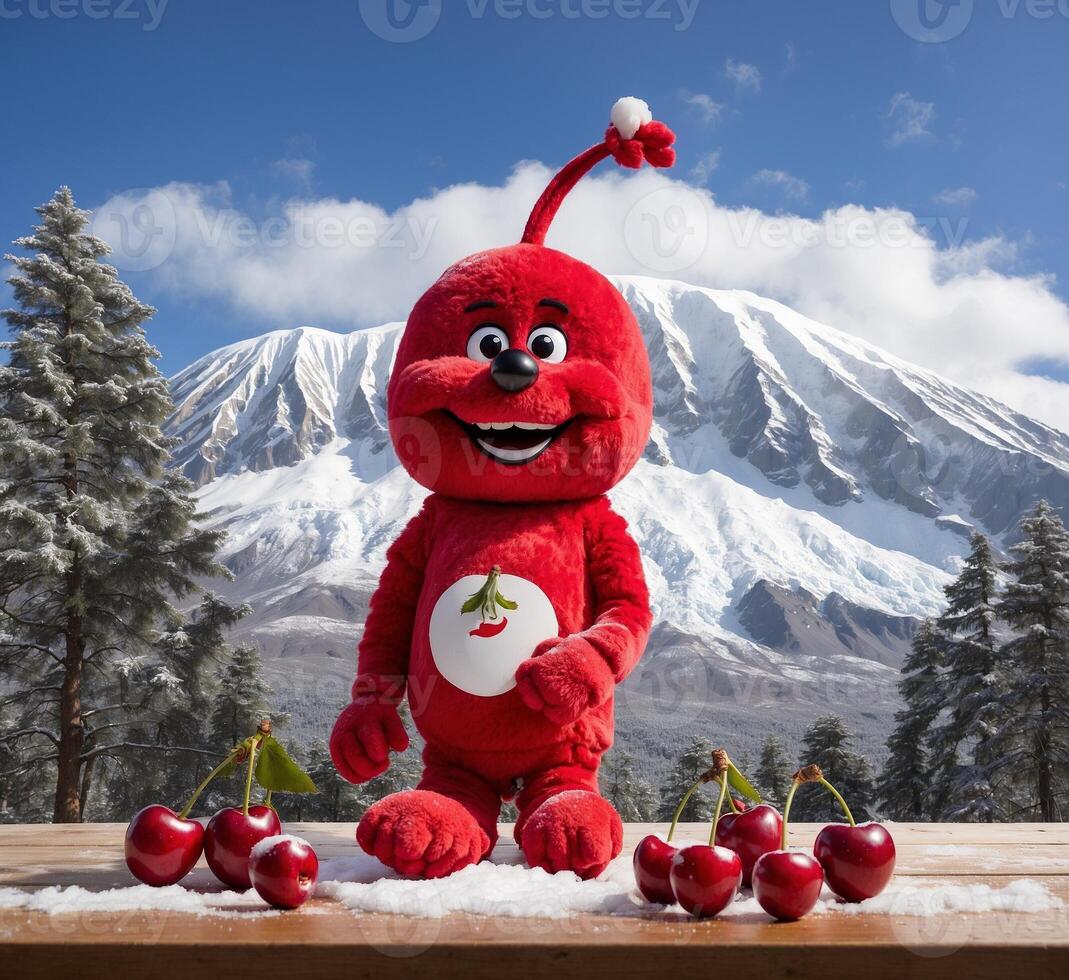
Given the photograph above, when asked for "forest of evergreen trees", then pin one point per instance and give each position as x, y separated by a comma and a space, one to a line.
118, 686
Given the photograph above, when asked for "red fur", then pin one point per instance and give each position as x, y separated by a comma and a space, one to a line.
546, 521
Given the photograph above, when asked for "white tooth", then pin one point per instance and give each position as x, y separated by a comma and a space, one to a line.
485, 426
535, 426
501, 425
514, 455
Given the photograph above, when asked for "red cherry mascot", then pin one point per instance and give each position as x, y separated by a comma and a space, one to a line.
514, 602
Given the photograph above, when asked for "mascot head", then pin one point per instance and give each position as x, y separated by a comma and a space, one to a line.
522, 375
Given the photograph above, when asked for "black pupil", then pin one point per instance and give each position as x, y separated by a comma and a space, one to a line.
542, 346
490, 345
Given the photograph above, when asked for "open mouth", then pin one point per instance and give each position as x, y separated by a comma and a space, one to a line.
513, 443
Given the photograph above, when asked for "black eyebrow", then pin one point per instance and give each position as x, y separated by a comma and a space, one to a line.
483, 304
555, 303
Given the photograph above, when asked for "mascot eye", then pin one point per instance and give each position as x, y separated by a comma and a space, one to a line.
487, 342
548, 343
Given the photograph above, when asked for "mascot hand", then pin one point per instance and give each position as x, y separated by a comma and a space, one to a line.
565, 677
363, 737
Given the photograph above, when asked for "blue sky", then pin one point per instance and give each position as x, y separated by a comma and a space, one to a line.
778, 105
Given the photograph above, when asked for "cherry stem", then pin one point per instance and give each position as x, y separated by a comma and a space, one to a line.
731, 803
839, 796
248, 776
719, 807
204, 784
787, 811
683, 803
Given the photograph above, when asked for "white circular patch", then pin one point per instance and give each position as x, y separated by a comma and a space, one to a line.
481, 658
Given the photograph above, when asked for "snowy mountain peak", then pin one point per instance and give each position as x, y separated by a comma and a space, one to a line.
803, 499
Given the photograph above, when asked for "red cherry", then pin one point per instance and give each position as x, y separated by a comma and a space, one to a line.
705, 879
750, 834
231, 835
653, 862
283, 871
787, 884
162, 847
858, 861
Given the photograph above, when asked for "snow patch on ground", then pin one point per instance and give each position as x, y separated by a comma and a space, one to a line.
139, 898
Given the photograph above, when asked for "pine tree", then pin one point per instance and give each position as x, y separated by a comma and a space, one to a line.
970, 690
827, 743
631, 795
1032, 745
243, 698
695, 760
905, 782
774, 772
97, 540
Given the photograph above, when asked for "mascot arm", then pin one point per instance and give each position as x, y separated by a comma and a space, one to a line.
569, 675
370, 727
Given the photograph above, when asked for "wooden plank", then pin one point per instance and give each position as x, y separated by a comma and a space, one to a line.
39, 866
79, 835
323, 939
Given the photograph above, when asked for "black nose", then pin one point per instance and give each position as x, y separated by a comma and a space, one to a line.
513, 370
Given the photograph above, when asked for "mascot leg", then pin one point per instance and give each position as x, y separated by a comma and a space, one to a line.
565, 824
446, 823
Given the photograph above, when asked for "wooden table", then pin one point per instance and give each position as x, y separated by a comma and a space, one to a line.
325, 940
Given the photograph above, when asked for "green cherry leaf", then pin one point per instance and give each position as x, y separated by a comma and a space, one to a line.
472, 603
506, 603
276, 771
739, 782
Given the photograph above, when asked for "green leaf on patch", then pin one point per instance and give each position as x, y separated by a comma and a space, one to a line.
275, 770
471, 604
739, 782
506, 603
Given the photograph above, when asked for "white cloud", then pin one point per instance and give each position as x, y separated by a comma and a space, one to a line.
297, 169
875, 273
793, 188
909, 118
744, 76
955, 197
709, 108
703, 169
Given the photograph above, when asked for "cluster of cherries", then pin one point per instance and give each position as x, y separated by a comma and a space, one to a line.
748, 847
243, 845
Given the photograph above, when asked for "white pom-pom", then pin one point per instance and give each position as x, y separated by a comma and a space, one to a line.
628, 115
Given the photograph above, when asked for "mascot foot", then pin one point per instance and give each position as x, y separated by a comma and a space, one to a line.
573, 831
422, 833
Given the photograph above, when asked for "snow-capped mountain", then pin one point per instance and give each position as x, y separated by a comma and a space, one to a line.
803, 498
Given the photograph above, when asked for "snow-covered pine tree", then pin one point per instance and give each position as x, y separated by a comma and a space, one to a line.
827, 743
97, 540
243, 697
632, 796
1032, 744
173, 691
695, 759
970, 692
905, 782
774, 771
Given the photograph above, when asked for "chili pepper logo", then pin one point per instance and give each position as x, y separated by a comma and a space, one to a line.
489, 629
